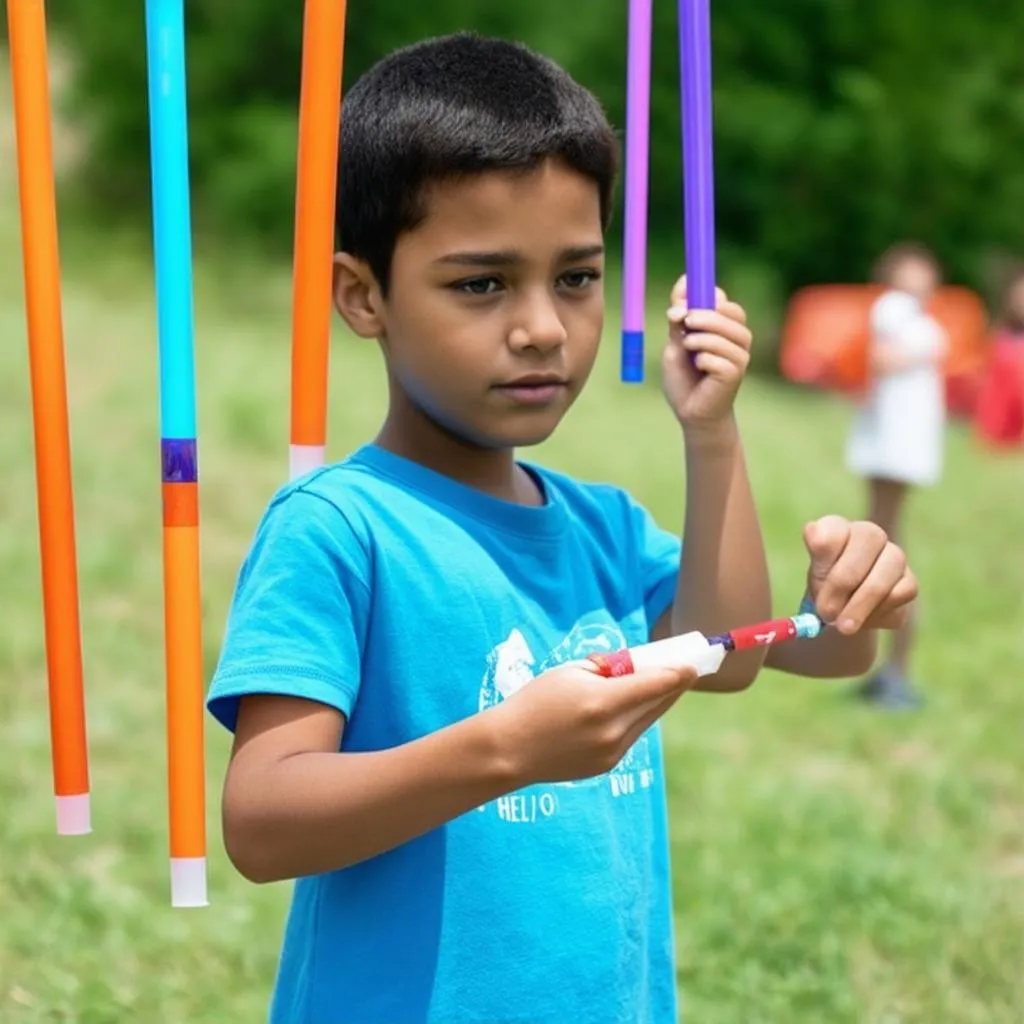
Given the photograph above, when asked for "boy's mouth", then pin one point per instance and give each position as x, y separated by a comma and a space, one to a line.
534, 388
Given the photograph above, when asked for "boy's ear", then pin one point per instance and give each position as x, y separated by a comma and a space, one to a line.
357, 296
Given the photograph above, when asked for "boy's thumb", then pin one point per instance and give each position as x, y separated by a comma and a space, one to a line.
825, 540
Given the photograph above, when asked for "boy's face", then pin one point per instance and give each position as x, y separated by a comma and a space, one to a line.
496, 305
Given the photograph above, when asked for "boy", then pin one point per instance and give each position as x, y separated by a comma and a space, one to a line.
409, 741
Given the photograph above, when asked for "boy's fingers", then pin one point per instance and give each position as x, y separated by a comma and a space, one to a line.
837, 585
699, 321
825, 539
651, 715
730, 320
654, 685
679, 293
717, 346
896, 608
734, 311
878, 581
721, 368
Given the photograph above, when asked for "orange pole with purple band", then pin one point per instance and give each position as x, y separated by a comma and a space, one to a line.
40, 251
323, 49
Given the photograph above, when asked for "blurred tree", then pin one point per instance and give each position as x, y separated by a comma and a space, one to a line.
840, 125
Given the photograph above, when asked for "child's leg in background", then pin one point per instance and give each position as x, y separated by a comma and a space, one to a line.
887, 499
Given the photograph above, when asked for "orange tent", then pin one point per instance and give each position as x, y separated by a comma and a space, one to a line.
826, 333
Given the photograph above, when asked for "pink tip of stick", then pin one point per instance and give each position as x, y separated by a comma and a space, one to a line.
188, 882
304, 458
74, 815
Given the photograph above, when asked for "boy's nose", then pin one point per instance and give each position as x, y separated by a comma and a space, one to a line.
539, 326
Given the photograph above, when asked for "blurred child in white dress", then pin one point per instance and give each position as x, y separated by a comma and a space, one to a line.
897, 440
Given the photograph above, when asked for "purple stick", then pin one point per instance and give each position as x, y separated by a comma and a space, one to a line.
698, 165
638, 130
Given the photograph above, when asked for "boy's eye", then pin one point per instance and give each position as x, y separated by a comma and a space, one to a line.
581, 278
574, 280
478, 286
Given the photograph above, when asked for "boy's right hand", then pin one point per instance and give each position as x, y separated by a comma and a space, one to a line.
571, 723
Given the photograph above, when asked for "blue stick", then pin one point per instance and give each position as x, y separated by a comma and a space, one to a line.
165, 35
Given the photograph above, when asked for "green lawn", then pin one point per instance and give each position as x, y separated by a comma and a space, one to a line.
831, 864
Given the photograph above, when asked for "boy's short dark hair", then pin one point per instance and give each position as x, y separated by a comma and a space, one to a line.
453, 106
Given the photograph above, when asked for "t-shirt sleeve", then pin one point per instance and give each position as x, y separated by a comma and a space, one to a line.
658, 553
298, 617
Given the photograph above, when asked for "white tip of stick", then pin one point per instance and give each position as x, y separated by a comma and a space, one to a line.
74, 815
188, 882
303, 458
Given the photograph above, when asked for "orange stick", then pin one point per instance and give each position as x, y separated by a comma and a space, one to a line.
41, 255
323, 49
184, 653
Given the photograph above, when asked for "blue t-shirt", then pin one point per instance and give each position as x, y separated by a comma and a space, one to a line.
409, 601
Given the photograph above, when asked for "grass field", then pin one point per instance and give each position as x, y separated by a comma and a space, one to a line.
832, 864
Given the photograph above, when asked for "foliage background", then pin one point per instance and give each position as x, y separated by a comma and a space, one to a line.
841, 125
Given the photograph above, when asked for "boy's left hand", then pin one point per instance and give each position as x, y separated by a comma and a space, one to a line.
702, 392
857, 578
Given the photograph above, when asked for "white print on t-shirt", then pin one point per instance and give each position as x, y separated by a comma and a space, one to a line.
511, 665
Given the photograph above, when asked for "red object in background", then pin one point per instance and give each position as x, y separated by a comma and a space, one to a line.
827, 330
999, 419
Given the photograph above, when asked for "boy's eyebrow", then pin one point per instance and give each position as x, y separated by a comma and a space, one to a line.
508, 257
581, 252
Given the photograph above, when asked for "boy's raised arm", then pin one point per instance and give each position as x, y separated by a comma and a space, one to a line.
723, 577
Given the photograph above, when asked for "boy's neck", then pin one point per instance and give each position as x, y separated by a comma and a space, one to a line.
411, 434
